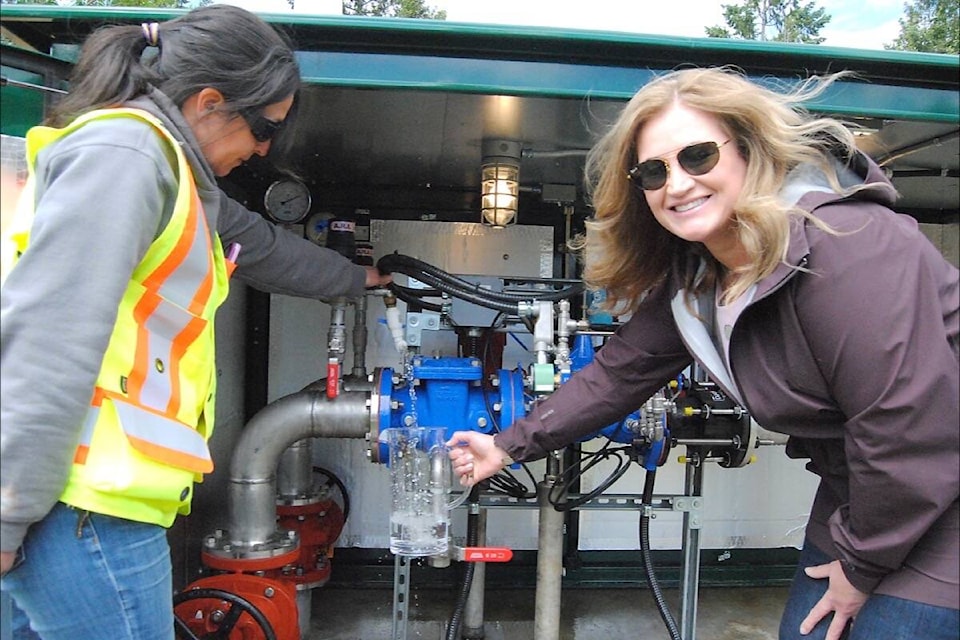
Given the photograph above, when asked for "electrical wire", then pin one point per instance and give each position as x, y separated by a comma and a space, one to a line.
333, 479
647, 508
572, 474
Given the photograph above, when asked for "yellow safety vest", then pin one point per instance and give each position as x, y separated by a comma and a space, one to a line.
144, 440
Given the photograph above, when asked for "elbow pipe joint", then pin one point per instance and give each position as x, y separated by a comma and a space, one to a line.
253, 487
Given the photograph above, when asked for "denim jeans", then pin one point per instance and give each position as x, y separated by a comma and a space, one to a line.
86, 576
881, 618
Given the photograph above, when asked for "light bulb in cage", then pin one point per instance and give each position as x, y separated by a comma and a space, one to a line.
500, 183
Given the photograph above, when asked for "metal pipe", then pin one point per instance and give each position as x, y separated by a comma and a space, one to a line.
473, 612
337, 333
360, 337
554, 153
690, 577
910, 149
252, 494
295, 471
708, 442
546, 622
4, 81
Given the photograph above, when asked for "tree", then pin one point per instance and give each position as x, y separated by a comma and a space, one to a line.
776, 20
391, 8
929, 25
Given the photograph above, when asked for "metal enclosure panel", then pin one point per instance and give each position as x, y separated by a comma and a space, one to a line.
469, 248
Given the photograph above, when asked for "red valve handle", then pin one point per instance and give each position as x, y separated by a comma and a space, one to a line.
333, 378
486, 554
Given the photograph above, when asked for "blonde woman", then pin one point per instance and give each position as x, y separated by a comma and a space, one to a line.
746, 235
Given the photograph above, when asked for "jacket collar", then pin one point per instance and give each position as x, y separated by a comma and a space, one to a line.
860, 170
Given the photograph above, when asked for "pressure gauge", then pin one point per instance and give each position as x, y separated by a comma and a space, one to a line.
287, 201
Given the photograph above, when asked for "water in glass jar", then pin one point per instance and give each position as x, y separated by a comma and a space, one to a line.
418, 534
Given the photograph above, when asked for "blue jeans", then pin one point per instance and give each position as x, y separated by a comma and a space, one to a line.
881, 618
86, 576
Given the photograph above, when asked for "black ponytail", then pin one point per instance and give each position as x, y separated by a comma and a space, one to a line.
218, 46
109, 72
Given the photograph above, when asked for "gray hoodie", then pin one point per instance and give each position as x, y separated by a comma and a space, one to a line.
104, 193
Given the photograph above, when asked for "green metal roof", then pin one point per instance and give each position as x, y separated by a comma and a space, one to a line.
512, 60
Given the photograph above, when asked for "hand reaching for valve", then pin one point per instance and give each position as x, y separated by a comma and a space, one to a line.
475, 456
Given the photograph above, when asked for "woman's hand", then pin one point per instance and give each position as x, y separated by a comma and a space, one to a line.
475, 456
6, 561
841, 598
377, 279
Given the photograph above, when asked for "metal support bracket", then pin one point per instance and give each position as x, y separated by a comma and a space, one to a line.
401, 597
417, 323
691, 505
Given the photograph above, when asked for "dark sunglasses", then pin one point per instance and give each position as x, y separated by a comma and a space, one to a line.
262, 129
696, 159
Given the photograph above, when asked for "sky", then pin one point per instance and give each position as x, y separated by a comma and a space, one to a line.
862, 24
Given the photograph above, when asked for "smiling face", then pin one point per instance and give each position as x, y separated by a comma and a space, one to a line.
224, 136
691, 207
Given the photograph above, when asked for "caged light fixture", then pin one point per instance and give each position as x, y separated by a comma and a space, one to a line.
500, 182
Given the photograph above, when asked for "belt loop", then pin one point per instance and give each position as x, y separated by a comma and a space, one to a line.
81, 519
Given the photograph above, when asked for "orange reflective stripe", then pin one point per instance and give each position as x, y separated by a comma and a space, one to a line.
171, 457
80, 455
151, 433
163, 439
190, 259
176, 257
180, 345
154, 380
199, 301
144, 309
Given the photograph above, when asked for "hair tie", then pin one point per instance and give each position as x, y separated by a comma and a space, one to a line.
151, 33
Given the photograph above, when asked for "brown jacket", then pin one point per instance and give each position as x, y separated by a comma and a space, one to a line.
851, 348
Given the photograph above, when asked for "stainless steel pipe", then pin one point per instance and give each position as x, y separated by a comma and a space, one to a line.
309, 413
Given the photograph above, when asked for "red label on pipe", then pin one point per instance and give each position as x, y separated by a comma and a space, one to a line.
333, 378
487, 554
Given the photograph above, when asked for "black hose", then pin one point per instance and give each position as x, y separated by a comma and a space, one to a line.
572, 474
473, 535
647, 504
469, 294
428, 273
333, 479
406, 294
444, 281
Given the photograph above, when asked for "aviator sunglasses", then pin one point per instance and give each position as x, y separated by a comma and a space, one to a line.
696, 159
263, 129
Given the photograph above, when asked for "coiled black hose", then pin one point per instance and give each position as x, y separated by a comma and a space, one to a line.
473, 526
572, 474
414, 297
647, 503
470, 295
444, 281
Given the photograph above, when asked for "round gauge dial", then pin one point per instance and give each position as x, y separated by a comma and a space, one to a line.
287, 201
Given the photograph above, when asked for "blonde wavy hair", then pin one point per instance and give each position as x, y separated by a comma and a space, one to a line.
626, 250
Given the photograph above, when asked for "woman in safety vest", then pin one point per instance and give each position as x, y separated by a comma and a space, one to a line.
117, 259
